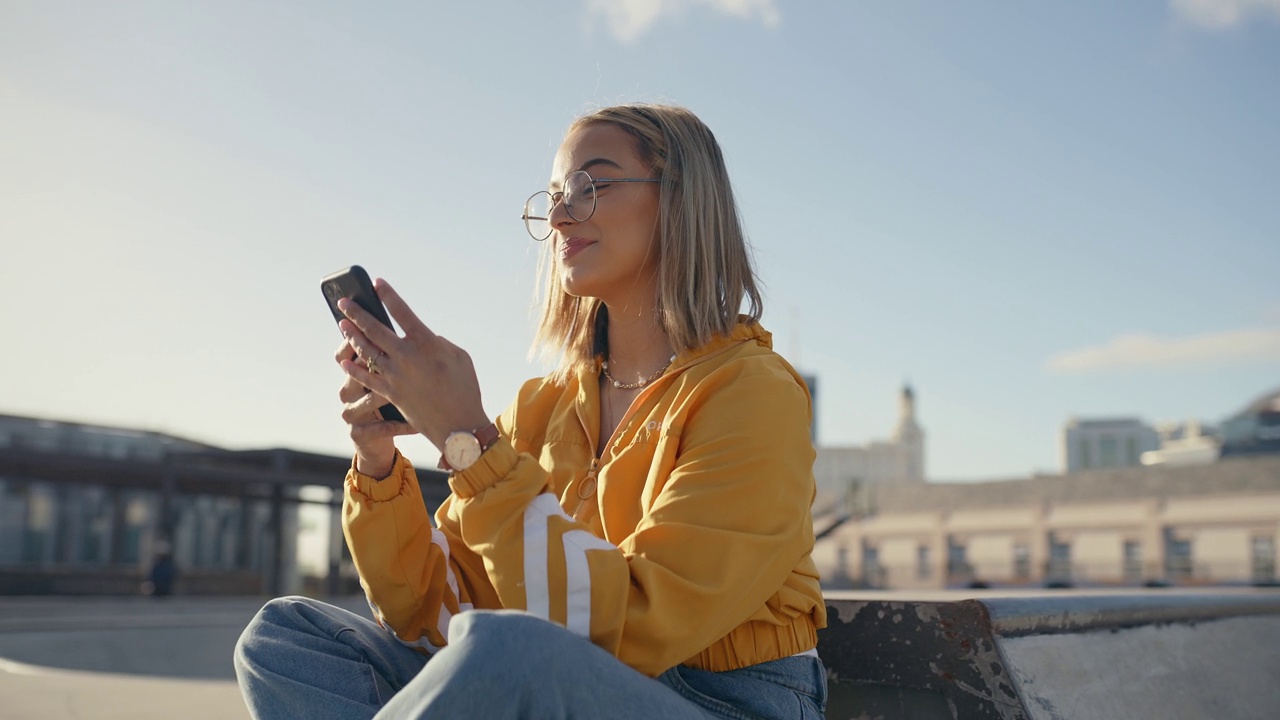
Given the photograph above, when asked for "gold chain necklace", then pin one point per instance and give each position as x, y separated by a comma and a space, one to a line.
604, 367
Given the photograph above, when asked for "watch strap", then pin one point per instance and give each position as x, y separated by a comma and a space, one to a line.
487, 435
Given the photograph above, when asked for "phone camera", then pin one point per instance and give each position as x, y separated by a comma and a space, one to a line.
332, 291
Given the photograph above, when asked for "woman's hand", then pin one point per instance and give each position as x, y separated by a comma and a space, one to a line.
373, 436
431, 380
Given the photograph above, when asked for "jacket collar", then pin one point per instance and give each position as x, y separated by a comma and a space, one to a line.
745, 331
588, 393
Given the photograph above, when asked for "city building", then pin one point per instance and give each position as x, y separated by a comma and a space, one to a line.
848, 473
1193, 524
811, 382
1138, 505
87, 509
1101, 444
1255, 430
1189, 443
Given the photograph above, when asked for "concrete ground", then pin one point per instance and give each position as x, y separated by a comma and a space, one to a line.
135, 658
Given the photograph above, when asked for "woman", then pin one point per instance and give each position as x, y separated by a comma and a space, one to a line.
651, 498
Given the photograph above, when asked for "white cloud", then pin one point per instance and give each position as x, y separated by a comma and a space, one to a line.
1217, 14
627, 20
1149, 351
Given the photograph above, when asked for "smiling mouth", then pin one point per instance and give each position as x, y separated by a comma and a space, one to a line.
573, 246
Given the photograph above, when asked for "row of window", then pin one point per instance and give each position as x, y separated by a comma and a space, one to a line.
1109, 452
44, 524
1178, 561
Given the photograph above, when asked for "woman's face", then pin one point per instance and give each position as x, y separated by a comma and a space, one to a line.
613, 254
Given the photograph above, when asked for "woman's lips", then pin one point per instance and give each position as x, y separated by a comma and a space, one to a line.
573, 246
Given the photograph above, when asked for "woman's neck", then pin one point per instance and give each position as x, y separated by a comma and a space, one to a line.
637, 344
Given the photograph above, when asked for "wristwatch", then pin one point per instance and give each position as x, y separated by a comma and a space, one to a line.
464, 447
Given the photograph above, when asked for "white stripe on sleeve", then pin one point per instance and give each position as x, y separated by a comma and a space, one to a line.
578, 595
536, 598
577, 571
439, 540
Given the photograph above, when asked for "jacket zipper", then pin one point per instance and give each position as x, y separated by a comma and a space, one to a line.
587, 488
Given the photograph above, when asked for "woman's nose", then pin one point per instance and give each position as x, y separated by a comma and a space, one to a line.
559, 216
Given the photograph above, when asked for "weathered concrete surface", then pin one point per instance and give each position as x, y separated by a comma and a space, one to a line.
125, 658
31, 693
889, 659
1218, 669
1054, 655
178, 637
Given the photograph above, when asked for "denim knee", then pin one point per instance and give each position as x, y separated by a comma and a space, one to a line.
503, 631
277, 612
479, 637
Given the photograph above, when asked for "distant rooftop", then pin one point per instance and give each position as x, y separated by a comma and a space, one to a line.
13, 423
1269, 402
1245, 475
1097, 423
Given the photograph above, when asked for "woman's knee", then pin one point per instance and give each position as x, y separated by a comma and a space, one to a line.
514, 648
502, 631
279, 616
481, 636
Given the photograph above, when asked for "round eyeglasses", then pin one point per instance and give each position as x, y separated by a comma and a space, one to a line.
578, 197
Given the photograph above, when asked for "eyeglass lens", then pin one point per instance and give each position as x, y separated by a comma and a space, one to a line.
579, 198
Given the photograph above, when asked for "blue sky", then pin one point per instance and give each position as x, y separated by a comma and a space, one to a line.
1030, 211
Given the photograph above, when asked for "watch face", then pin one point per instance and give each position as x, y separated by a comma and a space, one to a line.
461, 450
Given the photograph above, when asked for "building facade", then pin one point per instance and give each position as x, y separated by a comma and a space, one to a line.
45, 524
86, 509
1182, 525
1102, 444
1255, 430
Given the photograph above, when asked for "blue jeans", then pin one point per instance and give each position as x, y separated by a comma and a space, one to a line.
300, 658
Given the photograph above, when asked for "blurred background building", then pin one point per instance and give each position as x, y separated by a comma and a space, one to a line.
1089, 444
849, 472
1137, 505
88, 509
1255, 430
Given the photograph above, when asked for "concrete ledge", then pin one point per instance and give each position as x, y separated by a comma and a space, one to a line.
1048, 614
1158, 654
1134, 654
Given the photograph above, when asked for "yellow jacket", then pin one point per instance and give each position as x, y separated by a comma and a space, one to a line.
688, 541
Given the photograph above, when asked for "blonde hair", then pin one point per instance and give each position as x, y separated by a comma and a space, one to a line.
704, 264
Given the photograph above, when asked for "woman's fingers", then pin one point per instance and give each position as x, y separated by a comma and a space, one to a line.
357, 370
400, 311
368, 432
371, 327
344, 352
367, 353
352, 391
361, 409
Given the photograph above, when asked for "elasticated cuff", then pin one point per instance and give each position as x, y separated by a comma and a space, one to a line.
496, 463
381, 490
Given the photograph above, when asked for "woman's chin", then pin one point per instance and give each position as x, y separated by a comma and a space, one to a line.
578, 284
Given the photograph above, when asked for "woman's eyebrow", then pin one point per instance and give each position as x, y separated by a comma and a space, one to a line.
554, 185
599, 161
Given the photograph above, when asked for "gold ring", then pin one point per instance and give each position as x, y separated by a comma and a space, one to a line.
372, 364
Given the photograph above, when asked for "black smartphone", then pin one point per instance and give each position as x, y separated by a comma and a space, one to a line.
354, 283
